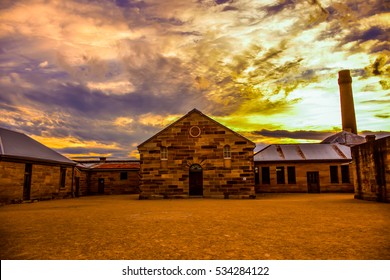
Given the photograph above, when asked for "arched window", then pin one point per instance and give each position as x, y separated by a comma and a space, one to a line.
226, 152
164, 153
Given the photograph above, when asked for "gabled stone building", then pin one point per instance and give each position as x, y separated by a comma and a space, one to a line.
32, 171
196, 157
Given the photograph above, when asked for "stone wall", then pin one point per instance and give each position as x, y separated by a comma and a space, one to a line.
45, 181
371, 168
301, 185
11, 181
113, 183
197, 139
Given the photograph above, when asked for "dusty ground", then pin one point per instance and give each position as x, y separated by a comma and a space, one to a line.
273, 226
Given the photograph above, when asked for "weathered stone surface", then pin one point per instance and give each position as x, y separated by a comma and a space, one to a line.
45, 181
371, 169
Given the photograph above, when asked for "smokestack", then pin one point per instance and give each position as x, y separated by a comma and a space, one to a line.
346, 99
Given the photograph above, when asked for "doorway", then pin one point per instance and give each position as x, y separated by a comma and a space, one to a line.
313, 182
27, 181
196, 180
101, 185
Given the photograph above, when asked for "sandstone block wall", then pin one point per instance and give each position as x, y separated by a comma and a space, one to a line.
45, 181
11, 181
371, 168
221, 177
112, 182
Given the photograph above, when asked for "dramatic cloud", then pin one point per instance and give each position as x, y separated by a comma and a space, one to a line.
99, 77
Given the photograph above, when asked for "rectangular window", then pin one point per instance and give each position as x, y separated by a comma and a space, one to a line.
226, 152
334, 176
280, 175
164, 153
62, 177
123, 175
345, 174
291, 175
265, 178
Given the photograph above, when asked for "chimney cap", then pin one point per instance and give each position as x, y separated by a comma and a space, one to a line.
370, 138
345, 76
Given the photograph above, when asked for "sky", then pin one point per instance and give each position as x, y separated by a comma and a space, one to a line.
97, 78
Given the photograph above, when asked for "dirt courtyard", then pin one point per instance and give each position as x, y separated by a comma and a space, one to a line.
273, 226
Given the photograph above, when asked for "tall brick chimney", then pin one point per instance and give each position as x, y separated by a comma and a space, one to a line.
346, 99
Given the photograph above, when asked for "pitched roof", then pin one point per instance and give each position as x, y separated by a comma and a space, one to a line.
15, 145
304, 152
345, 138
115, 165
200, 113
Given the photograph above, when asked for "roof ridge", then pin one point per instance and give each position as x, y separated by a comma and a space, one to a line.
186, 115
338, 151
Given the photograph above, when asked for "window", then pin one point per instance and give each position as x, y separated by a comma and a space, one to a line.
334, 177
265, 178
164, 153
291, 178
123, 175
62, 177
280, 175
345, 174
226, 152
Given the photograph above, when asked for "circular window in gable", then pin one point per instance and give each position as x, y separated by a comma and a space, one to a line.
195, 131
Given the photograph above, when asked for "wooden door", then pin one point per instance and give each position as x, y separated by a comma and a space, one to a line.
27, 181
196, 180
313, 182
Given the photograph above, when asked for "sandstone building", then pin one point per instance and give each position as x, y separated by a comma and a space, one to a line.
107, 177
371, 169
312, 168
32, 171
196, 156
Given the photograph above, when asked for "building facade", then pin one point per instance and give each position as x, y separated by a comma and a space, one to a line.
308, 168
31, 171
371, 169
196, 157
107, 177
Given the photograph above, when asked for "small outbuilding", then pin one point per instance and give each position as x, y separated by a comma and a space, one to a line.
107, 177
196, 157
312, 168
31, 171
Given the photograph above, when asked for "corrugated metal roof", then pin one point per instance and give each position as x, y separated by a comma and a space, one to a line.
18, 145
304, 152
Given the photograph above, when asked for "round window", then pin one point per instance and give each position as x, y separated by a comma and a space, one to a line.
195, 131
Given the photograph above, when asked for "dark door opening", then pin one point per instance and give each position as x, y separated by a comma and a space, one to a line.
101, 185
27, 181
196, 180
313, 182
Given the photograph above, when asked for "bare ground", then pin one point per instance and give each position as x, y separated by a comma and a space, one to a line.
273, 226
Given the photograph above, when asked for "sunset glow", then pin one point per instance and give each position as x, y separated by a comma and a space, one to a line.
91, 78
